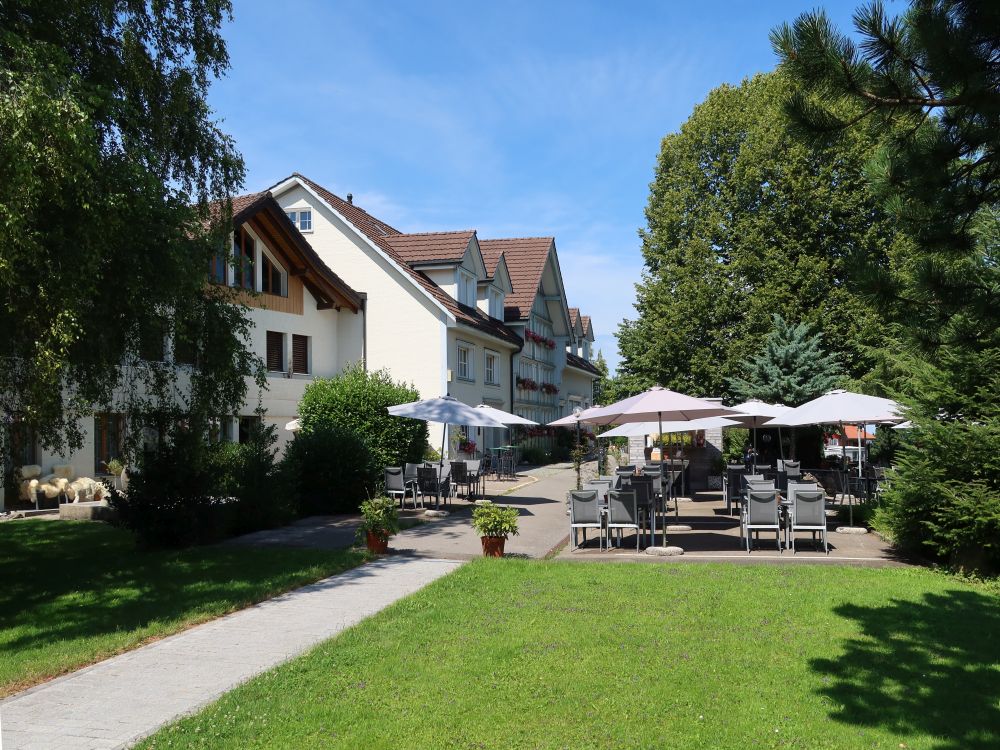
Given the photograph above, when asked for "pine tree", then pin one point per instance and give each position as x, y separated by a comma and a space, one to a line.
603, 383
791, 369
928, 79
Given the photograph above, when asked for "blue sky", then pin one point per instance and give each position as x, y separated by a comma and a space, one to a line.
514, 119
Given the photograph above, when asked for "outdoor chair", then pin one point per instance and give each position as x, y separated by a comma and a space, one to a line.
584, 513
644, 498
603, 486
809, 514
474, 467
434, 483
625, 471
657, 476
761, 514
396, 485
623, 513
410, 472
794, 487
793, 469
460, 478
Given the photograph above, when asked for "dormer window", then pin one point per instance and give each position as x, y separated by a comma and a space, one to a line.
496, 304
272, 277
302, 218
466, 288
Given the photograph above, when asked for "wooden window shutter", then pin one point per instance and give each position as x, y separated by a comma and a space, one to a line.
300, 354
275, 351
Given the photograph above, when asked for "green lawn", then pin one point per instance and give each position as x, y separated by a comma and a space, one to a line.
521, 654
76, 592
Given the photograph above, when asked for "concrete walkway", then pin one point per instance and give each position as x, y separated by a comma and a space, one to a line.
119, 701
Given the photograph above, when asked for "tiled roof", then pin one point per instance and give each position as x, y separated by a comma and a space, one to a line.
574, 315
381, 233
581, 364
430, 247
587, 330
491, 257
525, 258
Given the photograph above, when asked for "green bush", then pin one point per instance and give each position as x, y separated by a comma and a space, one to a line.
534, 456
356, 400
189, 492
944, 497
330, 469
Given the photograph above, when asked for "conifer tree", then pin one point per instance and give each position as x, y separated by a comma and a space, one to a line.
791, 369
929, 81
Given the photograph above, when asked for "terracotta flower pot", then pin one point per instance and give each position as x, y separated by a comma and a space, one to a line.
493, 545
376, 545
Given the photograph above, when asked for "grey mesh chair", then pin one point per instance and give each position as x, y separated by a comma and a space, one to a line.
473, 467
397, 486
809, 514
657, 476
623, 513
435, 483
603, 486
460, 478
410, 473
584, 513
625, 471
761, 515
793, 469
794, 487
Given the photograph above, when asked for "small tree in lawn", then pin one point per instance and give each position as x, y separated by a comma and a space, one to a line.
792, 368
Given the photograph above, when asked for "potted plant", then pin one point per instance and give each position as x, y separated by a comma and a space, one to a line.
494, 523
379, 521
115, 469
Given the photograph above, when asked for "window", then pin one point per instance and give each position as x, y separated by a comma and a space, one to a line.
275, 351
466, 289
220, 430
272, 277
109, 429
248, 425
492, 369
217, 268
243, 252
23, 444
300, 354
302, 219
151, 341
185, 343
464, 362
496, 304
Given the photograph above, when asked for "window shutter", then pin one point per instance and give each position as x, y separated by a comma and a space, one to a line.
275, 351
300, 354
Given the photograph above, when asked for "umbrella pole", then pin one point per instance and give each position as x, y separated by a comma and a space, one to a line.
843, 474
781, 446
663, 478
444, 438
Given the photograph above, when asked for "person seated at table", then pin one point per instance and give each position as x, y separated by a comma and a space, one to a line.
749, 456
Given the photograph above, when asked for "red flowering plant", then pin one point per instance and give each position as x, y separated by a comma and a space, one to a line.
468, 446
527, 384
550, 388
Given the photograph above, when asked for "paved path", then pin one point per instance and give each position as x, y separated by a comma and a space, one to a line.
116, 702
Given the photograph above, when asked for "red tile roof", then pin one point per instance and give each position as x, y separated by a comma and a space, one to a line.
526, 257
430, 247
587, 329
581, 364
382, 234
491, 258
574, 314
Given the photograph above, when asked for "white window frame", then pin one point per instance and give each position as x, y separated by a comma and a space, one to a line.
470, 372
496, 304
495, 379
466, 288
295, 216
284, 272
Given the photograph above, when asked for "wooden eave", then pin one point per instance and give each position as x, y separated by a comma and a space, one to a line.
269, 221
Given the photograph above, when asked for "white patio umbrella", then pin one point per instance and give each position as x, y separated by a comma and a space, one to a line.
445, 410
754, 413
577, 418
650, 428
842, 407
659, 404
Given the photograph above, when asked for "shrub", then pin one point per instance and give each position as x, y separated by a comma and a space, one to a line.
356, 400
330, 469
490, 519
534, 456
170, 501
944, 496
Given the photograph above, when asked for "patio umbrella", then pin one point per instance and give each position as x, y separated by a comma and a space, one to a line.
842, 407
633, 429
445, 410
294, 426
575, 419
754, 413
659, 404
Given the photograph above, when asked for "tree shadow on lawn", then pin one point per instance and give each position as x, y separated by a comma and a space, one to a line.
79, 580
931, 667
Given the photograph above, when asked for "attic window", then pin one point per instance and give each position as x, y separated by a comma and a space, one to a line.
272, 277
302, 219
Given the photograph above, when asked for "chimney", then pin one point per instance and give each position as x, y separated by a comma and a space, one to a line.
350, 198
